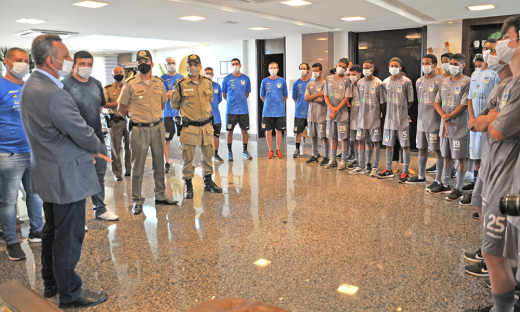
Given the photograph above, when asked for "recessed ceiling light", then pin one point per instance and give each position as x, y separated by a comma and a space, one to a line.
91, 4
259, 28
296, 2
192, 18
354, 18
30, 21
450, 22
262, 262
348, 289
321, 39
481, 7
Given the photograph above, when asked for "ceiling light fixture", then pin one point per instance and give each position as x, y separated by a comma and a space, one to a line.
91, 4
296, 2
481, 7
354, 18
192, 18
450, 22
259, 28
30, 21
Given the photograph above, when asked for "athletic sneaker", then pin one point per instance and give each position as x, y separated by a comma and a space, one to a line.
411, 171
230, 156
404, 177
246, 155
432, 169
432, 186
166, 167
217, 158
358, 170
108, 216
324, 161
339, 155
453, 173
475, 216
15, 252
395, 171
270, 155
373, 173
441, 189
353, 165
296, 153
477, 269
474, 256
369, 168
455, 194
385, 174
351, 157
466, 200
342, 165
279, 154
35, 237
416, 180
312, 160
332, 164
468, 187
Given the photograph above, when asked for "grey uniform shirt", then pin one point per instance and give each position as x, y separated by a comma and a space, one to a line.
318, 107
450, 96
428, 120
354, 110
370, 96
337, 90
397, 94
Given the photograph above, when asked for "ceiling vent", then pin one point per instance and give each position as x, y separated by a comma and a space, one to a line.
33, 33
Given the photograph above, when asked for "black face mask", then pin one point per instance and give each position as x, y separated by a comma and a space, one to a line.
144, 68
118, 78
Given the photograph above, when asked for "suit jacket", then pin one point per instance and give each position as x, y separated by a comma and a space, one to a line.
62, 169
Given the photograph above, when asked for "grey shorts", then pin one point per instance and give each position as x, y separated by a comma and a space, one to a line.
317, 129
428, 140
494, 231
390, 136
476, 198
512, 233
352, 135
369, 135
454, 148
337, 129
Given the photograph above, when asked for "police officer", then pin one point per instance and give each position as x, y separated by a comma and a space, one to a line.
142, 99
117, 127
192, 97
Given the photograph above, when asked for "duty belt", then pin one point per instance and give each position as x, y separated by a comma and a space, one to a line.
185, 122
145, 124
116, 118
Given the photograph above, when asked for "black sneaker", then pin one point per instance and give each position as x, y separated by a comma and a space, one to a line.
339, 155
324, 161
166, 167
475, 216
217, 158
441, 189
353, 165
404, 177
480, 309
478, 269
385, 174
15, 252
468, 187
416, 180
466, 200
453, 173
455, 194
368, 168
432, 169
351, 157
35, 237
474, 256
311, 160
432, 186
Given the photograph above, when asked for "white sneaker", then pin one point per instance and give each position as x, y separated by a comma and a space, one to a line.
374, 172
86, 228
332, 164
108, 216
342, 165
358, 170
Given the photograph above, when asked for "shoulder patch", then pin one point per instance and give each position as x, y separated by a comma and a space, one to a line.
128, 79
159, 78
108, 86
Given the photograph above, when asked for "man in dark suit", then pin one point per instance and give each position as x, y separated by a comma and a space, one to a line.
62, 170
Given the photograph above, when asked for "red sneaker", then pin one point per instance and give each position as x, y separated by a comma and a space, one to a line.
385, 174
279, 154
270, 155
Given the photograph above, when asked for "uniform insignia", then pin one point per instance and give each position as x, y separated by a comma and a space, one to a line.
192, 57
142, 53
432, 87
319, 89
387, 138
243, 82
216, 90
15, 96
372, 90
159, 78
341, 86
107, 86
486, 79
457, 90
279, 85
399, 89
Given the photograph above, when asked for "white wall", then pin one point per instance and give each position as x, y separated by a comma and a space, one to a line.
438, 34
249, 67
340, 45
293, 59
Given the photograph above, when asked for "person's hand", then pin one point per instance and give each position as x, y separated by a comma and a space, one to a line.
446, 117
319, 99
471, 124
235, 305
492, 115
101, 156
332, 116
445, 127
335, 110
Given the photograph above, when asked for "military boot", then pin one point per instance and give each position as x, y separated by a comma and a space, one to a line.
188, 189
210, 186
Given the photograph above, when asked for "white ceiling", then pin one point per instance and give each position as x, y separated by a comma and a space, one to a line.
158, 19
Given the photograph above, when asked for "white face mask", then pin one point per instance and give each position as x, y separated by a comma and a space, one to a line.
493, 63
236, 69
485, 55
66, 68
340, 71
454, 70
84, 72
209, 76
367, 72
316, 75
394, 71
19, 70
171, 68
353, 78
505, 53
446, 67
303, 72
273, 72
427, 69
193, 71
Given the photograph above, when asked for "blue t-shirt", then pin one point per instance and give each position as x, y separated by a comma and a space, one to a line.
298, 93
217, 98
12, 135
169, 81
236, 89
482, 82
274, 91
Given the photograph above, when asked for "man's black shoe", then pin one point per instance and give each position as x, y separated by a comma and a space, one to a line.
166, 167
50, 292
118, 178
188, 189
166, 202
432, 169
137, 209
128, 174
468, 187
87, 298
210, 186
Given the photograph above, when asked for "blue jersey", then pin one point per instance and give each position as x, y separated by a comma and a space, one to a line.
298, 93
217, 98
274, 91
236, 89
12, 135
482, 82
169, 81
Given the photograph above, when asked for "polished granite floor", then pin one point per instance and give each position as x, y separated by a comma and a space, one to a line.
397, 245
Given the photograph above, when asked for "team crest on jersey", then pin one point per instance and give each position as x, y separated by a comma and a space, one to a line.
295, 129
263, 125
279, 85
457, 90
243, 82
399, 89
15, 96
372, 90
216, 90
432, 87
504, 101
341, 86
486, 79
359, 132
319, 89
387, 138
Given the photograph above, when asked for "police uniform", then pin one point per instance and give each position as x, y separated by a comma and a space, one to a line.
193, 101
145, 108
117, 129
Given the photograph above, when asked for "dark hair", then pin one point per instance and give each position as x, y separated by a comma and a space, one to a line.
10, 52
396, 59
358, 69
43, 47
82, 55
235, 59
274, 63
432, 57
344, 60
513, 21
491, 40
369, 62
305, 65
333, 71
458, 57
448, 55
478, 57
208, 68
317, 65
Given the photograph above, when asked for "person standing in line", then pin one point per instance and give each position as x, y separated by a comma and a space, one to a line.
317, 115
302, 106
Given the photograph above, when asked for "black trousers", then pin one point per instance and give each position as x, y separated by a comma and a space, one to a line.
62, 238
